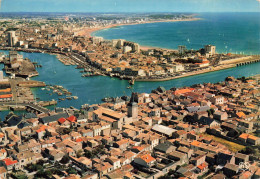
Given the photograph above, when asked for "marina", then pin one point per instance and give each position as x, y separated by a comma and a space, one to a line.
93, 90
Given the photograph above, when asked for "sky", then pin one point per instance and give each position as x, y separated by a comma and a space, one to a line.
130, 6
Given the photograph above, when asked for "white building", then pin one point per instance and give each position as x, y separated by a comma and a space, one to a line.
181, 49
127, 49
210, 49
178, 67
97, 40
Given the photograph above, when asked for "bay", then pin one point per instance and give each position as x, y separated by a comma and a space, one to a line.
229, 32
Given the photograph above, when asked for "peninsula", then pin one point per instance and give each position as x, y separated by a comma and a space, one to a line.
70, 37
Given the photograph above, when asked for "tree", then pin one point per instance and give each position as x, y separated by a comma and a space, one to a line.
212, 111
41, 162
65, 159
71, 171
79, 153
23, 176
248, 150
88, 154
43, 174
34, 167
209, 112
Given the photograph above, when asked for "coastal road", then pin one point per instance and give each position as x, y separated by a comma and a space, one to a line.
82, 61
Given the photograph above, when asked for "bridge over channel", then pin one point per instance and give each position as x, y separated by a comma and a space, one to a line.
36, 108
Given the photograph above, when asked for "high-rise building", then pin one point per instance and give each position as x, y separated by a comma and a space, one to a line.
181, 49
210, 49
136, 47
12, 39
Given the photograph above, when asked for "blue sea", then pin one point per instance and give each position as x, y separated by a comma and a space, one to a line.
229, 32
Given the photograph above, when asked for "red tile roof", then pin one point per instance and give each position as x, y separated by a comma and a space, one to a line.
72, 119
62, 120
8, 161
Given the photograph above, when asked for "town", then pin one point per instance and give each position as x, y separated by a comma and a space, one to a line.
71, 38
206, 130
201, 131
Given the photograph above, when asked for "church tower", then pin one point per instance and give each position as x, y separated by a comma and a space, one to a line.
132, 108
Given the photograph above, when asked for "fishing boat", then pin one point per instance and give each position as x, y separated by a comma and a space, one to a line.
131, 82
69, 98
75, 97
108, 99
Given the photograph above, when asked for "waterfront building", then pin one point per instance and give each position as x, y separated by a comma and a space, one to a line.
181, 49
118, 43
127, 49
97, 40
178, 67
12, 39
210, 49
136, 47
20, 43
13, 55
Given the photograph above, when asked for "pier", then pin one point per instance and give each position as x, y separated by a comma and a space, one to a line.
248, 62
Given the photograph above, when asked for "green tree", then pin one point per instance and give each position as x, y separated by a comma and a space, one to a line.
71, 171
65, 159
43, 174
79, 153
248, 150
209, 112
88, 154
212, 111
22, 176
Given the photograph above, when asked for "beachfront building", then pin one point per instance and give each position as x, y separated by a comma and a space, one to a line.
181, 49
210, 49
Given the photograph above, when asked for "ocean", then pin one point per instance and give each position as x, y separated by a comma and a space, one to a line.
229, 32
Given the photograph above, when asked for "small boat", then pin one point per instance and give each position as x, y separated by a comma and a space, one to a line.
42, 88
131, 82
69, 98
108, 99
129, 87
75, 97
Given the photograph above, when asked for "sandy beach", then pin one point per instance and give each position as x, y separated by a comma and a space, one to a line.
89, 31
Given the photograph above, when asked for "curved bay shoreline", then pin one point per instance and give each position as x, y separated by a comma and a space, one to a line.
90, 32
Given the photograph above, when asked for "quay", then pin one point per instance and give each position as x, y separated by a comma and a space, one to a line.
225, 65
31, 107
83, 62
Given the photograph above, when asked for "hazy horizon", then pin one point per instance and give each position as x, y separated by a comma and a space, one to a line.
133, 6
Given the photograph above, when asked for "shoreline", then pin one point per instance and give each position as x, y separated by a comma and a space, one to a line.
89, 32
233, 63
188, 74
228, 64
